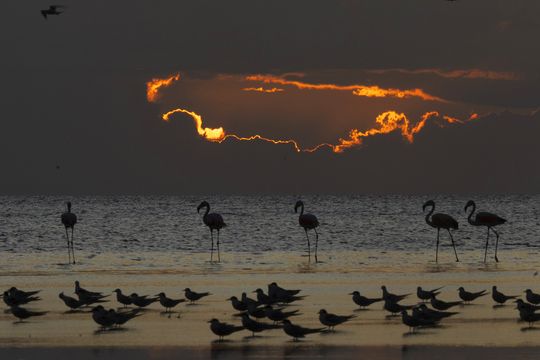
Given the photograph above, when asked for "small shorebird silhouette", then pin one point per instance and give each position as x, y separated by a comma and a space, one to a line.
69, 220
532, 297
297, 331
23, 314
392, 297
443, 305
425, 295
499, 297
53, 10
193, 296
223, 329
488, 220
468, 296
277, 315
168, 303
333, 320
214, 221
413, 321
363, 301
440, 221
256, 326
308, 222
123, 299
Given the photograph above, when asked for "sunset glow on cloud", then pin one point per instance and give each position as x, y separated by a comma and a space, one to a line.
153, 86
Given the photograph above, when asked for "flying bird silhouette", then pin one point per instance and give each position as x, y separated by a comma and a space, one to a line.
488, 220
214, 221
308, 222
53, 10
440, 221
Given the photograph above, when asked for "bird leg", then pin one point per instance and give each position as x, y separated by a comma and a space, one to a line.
69, 252
218, 255
453, 245
496, 244
212, 248
72, 248
316, 244
487, 242
437, 247
308, 246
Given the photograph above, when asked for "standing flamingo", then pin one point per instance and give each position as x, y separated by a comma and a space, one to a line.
214, 221
69, 220
485, 219
440, 221
308, 222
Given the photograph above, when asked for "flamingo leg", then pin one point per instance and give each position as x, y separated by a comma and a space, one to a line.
316, 244
69, 252
496, 244
308, 245
218, 255
72, 248
453, 245
437, 247
487, 242
212, 248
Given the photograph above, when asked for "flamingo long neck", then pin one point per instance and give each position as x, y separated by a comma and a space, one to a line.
301, 209
207, 210
428, 216
469, 218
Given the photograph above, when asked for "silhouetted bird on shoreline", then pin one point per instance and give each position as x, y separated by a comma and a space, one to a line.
275, 291
333, 320
392, 297
53, 10
142, 301
443, 305
422, 311
23, 314
394, 308
222, 329
214, 221
298, 332
168, 303
363, 301
123, 299
14, 300
71, 302
532, 297
488, 220
523, 305
193, 296
499, 297
425, 295
467, 296
237, 305
277, 315
308, 222
256, 326
440, 221
69, 220
414, 322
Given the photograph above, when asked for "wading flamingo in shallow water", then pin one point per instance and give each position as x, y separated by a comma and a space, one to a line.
308, 222
488, 220
69, 220
440, 221
214, 221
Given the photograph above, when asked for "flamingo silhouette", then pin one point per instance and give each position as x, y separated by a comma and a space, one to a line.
308, 222
440, 221
69, 220
214, 221
488, 220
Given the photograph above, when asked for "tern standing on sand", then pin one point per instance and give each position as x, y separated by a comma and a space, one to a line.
69, 220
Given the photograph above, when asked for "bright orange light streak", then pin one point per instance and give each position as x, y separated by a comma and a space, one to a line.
263, 90
387, 122
358, 90
153, 86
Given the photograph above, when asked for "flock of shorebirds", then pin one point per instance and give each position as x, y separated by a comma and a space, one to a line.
271, 306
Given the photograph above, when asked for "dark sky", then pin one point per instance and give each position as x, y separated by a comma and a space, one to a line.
74, 95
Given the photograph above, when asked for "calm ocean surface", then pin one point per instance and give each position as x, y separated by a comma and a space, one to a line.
30, 225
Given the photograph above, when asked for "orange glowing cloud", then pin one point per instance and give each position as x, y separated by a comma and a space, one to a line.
263, 90
387, 122
358, 90
454, 74
153, 86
